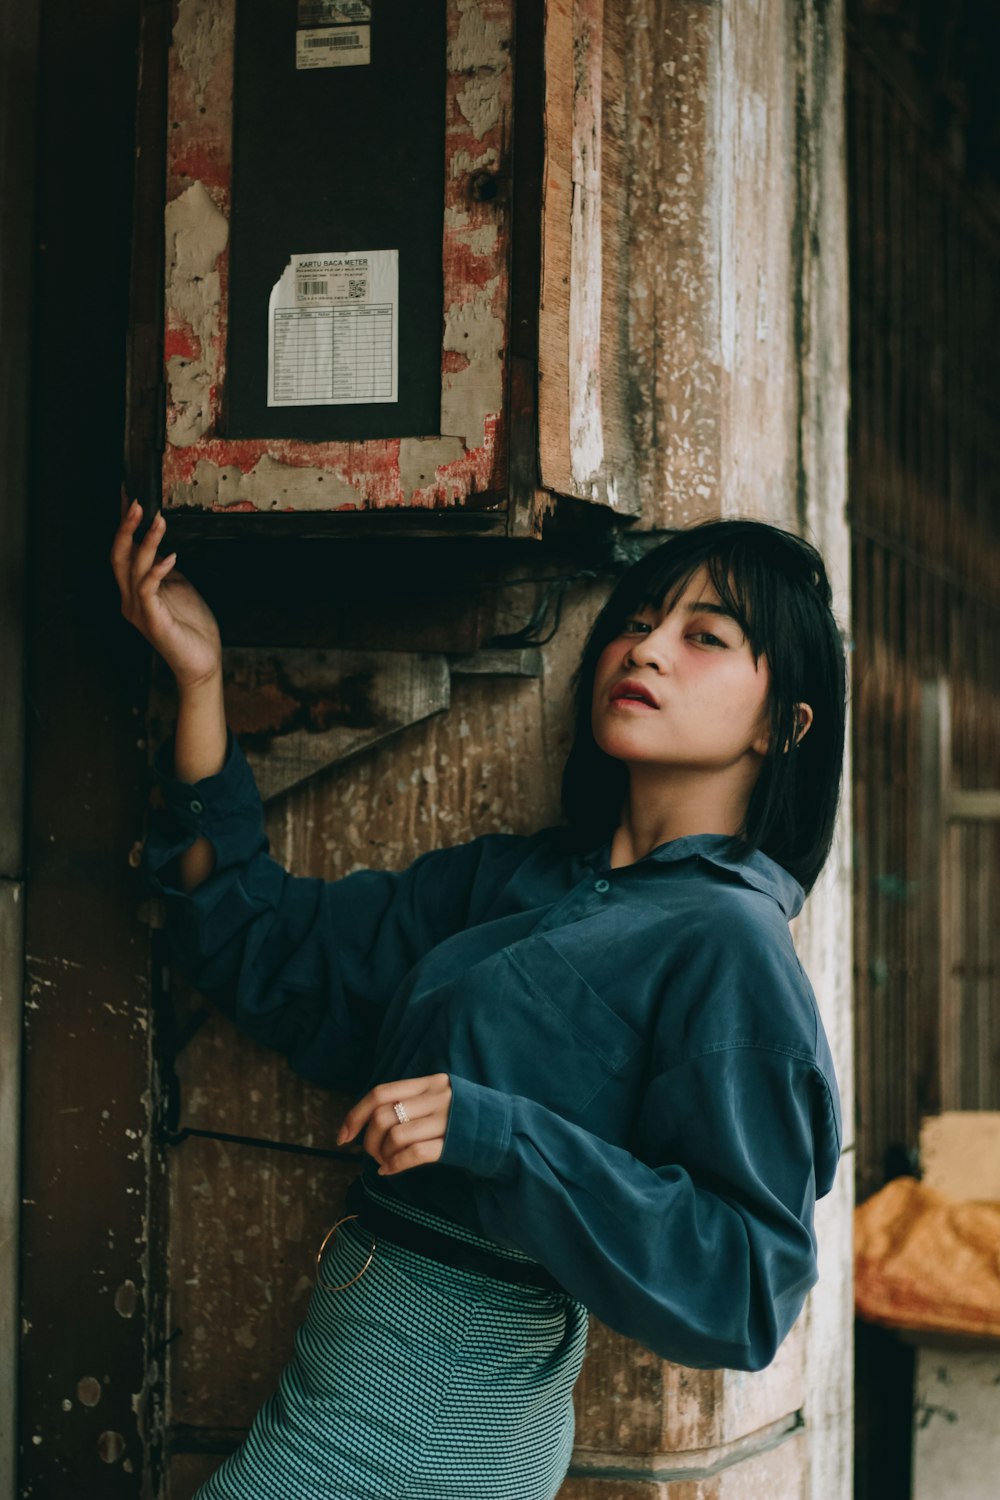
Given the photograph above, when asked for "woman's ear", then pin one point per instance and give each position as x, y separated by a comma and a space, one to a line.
803, 719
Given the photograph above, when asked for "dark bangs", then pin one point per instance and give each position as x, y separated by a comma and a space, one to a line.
776, 585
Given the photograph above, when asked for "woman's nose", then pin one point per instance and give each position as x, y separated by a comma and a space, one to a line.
650, 650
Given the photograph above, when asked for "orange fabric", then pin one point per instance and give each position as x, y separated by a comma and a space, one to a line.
923, 1260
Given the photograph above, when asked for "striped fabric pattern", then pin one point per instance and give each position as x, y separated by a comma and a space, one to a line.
418, 1382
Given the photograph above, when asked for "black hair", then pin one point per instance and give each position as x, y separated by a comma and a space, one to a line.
776, 585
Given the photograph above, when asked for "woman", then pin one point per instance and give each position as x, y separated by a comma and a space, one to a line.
588, 1059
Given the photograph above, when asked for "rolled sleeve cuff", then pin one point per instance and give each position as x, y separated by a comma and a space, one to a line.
225, 808
478, 1133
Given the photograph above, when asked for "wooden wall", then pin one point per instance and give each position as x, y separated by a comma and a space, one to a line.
925, 530
926, 554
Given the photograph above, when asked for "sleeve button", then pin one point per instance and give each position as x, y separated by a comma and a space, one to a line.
196, 806
602, 885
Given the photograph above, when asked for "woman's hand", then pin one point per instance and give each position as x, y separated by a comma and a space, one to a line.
163, 605
397, 1146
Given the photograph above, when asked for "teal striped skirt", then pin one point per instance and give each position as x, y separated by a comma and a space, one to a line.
418, 1382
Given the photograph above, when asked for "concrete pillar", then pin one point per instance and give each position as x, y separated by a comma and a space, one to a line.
736, 366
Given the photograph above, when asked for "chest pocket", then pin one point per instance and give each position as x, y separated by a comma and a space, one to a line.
540, 1030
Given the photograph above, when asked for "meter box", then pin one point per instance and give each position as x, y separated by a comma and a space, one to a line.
373, 212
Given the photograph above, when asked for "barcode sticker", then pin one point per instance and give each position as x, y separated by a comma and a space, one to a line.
333, 47
331, 279
334, 39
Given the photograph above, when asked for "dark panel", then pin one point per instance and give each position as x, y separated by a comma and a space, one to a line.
338, 159
86, 1078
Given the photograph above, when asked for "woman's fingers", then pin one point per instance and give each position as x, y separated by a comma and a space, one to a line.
121, 551
398, 1144
386, 1133
144, 555
420, 1154
136, 567
386, 1093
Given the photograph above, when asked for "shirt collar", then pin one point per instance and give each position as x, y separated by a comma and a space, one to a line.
758, 870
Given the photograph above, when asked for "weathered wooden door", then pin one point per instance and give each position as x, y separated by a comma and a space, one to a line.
624, 256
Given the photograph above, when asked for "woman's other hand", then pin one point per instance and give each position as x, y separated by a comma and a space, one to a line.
395, 1145
162, 604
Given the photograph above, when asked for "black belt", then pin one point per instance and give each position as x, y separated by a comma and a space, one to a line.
439, 1245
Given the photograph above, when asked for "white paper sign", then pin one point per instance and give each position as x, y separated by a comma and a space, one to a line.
332, 336
333, 47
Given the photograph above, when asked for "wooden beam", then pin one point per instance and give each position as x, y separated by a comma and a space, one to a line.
298, 711
87, 1194
19, 26
962, 805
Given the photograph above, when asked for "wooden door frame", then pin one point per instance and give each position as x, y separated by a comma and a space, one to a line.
19, 22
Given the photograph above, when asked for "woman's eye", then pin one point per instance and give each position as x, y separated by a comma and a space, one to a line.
639, 624
708, 636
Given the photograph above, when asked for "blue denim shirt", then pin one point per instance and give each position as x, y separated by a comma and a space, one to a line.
643, 1097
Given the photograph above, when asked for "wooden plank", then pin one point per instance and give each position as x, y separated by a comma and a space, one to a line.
18, 108
616, 175
972, 806
11, 1020
19, 41
674, 266
585, 390
87, 1188
557, 201
586, 443
498, 663
935, 760
298, 711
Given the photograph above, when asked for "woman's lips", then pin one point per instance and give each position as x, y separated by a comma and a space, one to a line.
632, 703
631, 689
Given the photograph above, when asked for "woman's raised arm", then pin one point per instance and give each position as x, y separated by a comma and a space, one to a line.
167, 609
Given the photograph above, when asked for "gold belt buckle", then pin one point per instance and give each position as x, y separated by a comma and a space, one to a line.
319, 1257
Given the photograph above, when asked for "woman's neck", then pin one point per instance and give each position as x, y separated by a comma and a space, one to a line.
653, 815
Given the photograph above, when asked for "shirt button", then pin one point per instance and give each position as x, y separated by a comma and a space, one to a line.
196, 806
602, 885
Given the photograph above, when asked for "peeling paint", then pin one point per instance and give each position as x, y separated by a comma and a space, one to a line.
482, 37
479, 102
202, 31
110, 1447
88, 1390
197, 234
586, 417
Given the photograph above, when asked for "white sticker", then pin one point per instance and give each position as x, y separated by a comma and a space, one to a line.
333, 12
333, 47
332, 335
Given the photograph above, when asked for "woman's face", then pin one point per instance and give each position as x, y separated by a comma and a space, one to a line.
711, 699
